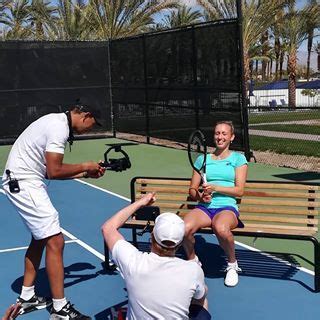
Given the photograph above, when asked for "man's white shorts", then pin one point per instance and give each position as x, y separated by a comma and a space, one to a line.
35, 208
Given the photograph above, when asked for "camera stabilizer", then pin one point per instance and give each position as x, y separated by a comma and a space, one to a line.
116, 164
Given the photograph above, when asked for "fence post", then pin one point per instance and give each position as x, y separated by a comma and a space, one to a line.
195, 78
243, 99
113, 125
146, 96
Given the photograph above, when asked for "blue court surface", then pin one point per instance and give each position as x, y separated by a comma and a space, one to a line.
269, 287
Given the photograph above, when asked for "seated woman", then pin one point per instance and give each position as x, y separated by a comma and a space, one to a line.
226, 173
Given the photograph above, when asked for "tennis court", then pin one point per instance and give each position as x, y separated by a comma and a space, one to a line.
276, 284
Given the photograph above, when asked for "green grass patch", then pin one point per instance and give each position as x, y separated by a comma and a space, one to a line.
275, 116
296, 128
285, 146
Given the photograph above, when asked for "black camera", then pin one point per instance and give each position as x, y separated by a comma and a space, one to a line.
148, 213
13, 183
116, 164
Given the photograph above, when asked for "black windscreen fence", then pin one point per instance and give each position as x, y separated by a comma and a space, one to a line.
37, 78
162, 85
165, 85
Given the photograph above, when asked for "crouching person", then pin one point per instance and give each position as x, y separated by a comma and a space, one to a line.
159, 285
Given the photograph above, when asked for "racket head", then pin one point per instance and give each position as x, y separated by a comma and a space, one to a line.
197, 151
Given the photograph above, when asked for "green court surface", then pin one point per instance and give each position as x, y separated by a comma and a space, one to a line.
151, 160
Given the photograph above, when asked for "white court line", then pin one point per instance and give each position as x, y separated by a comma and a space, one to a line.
104, 190
83, 244
25, 248
2, 191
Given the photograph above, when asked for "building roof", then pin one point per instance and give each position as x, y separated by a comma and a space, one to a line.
283, 84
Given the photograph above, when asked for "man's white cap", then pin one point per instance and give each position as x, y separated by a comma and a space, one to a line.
168, 227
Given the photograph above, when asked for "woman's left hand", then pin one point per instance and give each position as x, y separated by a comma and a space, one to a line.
208, 188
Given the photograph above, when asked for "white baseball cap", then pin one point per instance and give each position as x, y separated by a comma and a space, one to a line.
168, 227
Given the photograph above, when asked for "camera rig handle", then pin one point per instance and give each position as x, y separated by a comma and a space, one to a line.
116, 164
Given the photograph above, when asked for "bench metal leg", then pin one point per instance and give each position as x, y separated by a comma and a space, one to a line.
134, 237
316, 265
108, 267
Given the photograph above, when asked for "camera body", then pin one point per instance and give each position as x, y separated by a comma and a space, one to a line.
148, 213
117, 165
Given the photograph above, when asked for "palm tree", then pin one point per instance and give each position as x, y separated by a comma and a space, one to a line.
313, 22
123, 18
181, 17
294, 31
42, 17
3, 15
3, 7
265, 48
72, 22
16, 19
278, 44
258, 17
215, 9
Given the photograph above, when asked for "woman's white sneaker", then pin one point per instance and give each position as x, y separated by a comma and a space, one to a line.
232, 278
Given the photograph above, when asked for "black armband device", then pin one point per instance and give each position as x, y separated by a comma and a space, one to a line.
13, 183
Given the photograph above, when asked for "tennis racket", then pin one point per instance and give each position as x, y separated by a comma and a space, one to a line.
197, 153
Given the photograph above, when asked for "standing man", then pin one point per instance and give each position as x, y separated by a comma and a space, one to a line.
160, 286
38, 154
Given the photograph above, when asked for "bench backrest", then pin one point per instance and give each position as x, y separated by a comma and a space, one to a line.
269, 206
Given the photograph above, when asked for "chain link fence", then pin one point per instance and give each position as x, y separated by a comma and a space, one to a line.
281, 135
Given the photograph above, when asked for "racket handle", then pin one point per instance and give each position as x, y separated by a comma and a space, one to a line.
204, 177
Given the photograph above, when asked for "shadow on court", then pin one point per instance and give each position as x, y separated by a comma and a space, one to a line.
299, 176
281, 266
71, 273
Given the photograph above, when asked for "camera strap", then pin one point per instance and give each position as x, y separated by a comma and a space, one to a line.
147, 228
71, 136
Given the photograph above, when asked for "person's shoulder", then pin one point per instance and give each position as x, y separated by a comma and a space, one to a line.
57, 120
123, 246
190, 266
59, 117
238, 157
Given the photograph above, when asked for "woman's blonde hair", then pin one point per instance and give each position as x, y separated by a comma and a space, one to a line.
229, 123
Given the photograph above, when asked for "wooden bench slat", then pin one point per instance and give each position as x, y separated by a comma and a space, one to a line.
164, 182
163, 189
295, 195
172, 197
253, 209
285, 220
281, 186
173, 204
287, 203
273, 226
277, 231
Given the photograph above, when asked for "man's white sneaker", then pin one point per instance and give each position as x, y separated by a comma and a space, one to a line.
232, 277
